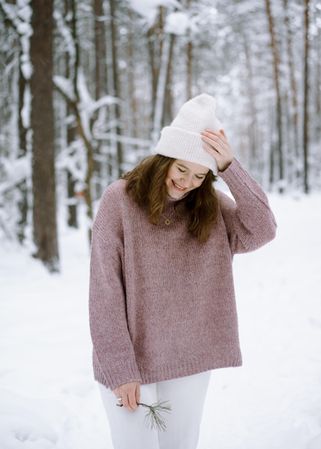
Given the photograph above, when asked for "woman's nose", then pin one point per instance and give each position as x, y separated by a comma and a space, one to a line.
186, 180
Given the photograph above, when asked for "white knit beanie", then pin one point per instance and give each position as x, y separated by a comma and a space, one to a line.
182, 139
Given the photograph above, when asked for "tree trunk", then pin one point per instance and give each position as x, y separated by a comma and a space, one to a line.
72, 216
100, 50
294, 116
168, 98
22, 187
161, 88
189, 70
254, 159
42, 125
155, 38
189, 62
100, 84
116, 84
132, 101
276, 72
80, 127
306, 98
318, 89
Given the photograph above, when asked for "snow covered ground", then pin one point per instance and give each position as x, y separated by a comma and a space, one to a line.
50, 400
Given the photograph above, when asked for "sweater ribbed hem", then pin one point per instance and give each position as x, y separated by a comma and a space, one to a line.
119, 375
170, 371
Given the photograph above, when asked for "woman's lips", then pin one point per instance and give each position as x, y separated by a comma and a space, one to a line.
181, 189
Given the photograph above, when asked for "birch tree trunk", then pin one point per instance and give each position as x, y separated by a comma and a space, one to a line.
276, 77
42, 125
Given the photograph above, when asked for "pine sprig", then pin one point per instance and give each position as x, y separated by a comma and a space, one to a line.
153, 416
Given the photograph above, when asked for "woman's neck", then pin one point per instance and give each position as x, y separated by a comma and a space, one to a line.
172, 199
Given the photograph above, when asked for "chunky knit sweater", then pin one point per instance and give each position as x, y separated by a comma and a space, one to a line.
161, 304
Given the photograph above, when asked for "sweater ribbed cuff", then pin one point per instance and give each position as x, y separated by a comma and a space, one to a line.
114, 376
235, 176
233, 169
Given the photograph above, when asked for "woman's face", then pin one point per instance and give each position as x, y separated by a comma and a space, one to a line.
184, 176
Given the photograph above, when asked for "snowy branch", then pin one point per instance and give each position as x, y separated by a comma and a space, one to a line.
19, 17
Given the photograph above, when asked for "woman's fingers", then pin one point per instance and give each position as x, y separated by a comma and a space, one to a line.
125, 400
215, 142
214, 153
138, 393
209, 148
132, 398
128, 394
218, 135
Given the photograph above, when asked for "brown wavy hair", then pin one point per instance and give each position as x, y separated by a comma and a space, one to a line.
146, 186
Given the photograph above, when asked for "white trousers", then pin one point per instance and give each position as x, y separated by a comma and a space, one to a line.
186, 396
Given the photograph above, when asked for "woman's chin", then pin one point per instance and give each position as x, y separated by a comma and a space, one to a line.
176, 195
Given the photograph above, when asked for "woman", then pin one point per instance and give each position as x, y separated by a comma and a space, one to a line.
162, 304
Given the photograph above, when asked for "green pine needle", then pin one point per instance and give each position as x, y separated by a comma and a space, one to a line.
153, 415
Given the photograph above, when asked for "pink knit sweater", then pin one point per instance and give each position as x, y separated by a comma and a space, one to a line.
162, 305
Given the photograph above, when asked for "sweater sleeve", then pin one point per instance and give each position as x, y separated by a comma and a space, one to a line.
249, 221
107, 299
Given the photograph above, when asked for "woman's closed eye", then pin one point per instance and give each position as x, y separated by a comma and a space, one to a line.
183, 171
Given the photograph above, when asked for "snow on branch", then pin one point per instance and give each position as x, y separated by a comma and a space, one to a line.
14, 172
19, 17
67, 36
65, 87
148, 8
177, 23
106, 100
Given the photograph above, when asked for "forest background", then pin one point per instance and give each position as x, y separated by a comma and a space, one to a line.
86, 86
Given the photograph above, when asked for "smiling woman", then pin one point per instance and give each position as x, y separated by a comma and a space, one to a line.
158, 179
184, 176
162, 304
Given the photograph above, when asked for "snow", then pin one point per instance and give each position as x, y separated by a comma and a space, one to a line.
65, 85
177, 23
26, 109
20, 15
65, 32
50, 400
148, 8
14, 172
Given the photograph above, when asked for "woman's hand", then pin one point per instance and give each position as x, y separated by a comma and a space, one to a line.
130, 394
216, 144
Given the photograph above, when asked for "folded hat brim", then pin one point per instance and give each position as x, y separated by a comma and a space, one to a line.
185, 145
